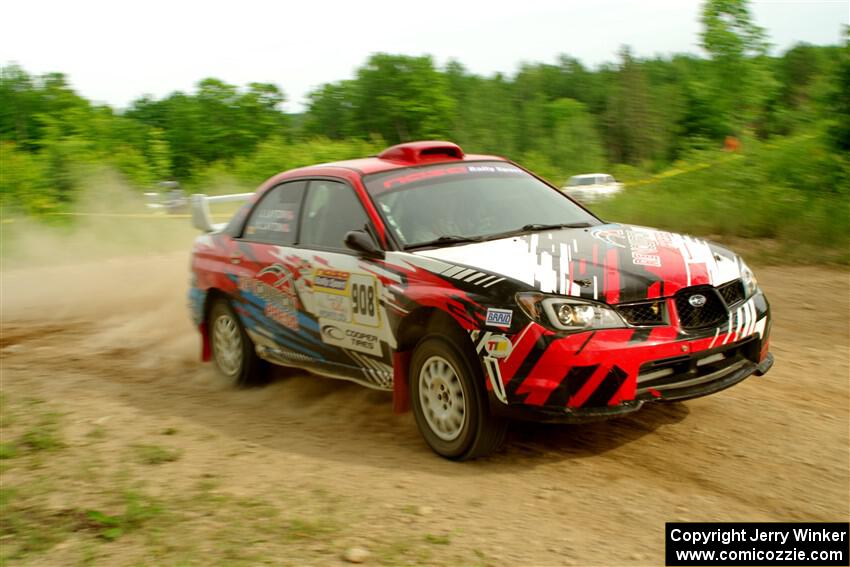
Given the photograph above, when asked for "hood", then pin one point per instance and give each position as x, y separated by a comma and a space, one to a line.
614, 263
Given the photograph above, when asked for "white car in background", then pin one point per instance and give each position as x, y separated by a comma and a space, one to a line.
592, 187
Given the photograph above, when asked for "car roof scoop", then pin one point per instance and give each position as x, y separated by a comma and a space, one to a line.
422, 152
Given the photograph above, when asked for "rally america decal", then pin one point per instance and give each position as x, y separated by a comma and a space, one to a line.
274, 285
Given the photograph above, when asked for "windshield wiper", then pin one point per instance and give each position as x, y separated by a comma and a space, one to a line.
446, 239
540, 226
535, 227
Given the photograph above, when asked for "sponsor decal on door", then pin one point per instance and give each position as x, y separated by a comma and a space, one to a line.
346, 297
350, 337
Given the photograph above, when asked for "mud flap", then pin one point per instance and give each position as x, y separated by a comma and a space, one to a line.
206, 351
401, 390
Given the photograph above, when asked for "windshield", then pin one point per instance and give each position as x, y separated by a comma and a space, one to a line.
469, 200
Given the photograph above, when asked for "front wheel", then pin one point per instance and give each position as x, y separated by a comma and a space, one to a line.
232, 349
449, 402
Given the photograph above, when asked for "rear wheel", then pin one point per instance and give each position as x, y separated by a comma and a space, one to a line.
232, 349
449, 404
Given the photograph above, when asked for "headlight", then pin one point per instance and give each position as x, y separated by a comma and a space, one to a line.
751, 284
568, 313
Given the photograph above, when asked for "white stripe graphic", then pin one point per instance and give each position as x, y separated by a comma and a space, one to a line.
483, 340
716, 334
495, 375
463, 274
452, 271
728, 330
372, 367
387, 274
518, 340
751, 318
476, 276
595, 288
760, 326
368, 371
494, 282
563, 258
397, 307
739, 323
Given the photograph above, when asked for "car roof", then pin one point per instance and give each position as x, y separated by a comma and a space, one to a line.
584, 175
410, 154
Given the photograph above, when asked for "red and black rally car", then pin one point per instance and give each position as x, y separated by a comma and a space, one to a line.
474, 291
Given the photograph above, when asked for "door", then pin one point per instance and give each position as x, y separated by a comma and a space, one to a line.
268, 277
345, 293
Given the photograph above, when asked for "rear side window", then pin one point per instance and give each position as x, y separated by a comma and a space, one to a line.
275, 218
330, 211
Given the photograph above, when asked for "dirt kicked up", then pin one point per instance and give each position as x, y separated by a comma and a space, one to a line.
120, 448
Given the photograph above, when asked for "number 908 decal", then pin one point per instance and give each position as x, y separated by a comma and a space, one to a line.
364, 300
347, 297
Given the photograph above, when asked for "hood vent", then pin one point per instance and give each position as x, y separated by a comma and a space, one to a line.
422, 152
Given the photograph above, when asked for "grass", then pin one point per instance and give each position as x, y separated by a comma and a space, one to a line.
139, 509
8, 451
298, 528
437, 539
155, 454
82, 506
43, 433
30, 527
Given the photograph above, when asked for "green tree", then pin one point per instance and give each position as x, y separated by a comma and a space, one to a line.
158, 154
738, 50
574, 144
331, 111
402, 98
630, 119
839, 98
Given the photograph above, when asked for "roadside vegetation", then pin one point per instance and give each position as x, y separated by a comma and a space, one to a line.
785, 117
774, 202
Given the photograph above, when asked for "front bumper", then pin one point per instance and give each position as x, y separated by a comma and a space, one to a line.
718, 381
593, 375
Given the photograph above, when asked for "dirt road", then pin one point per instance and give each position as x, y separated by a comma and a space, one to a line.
301, 470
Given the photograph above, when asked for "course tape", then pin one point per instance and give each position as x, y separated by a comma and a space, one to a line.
703, 165
679, 171
120, 215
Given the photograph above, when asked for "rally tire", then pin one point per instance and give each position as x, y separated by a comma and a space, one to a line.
449, 402
233, 352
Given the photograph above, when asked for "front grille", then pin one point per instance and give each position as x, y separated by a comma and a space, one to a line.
732, 292
644, 313
681, 372
696, 316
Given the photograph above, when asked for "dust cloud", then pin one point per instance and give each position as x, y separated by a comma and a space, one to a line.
118, 265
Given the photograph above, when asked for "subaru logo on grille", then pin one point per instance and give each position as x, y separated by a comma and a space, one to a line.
696, 300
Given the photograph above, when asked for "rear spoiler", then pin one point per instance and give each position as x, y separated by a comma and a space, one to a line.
201, 217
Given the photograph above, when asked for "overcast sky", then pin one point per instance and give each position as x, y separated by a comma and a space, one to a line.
115, 51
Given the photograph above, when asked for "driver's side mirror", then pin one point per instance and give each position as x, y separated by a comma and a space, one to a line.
361, 241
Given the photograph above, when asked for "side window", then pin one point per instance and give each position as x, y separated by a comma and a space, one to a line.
330, 211
275, 217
